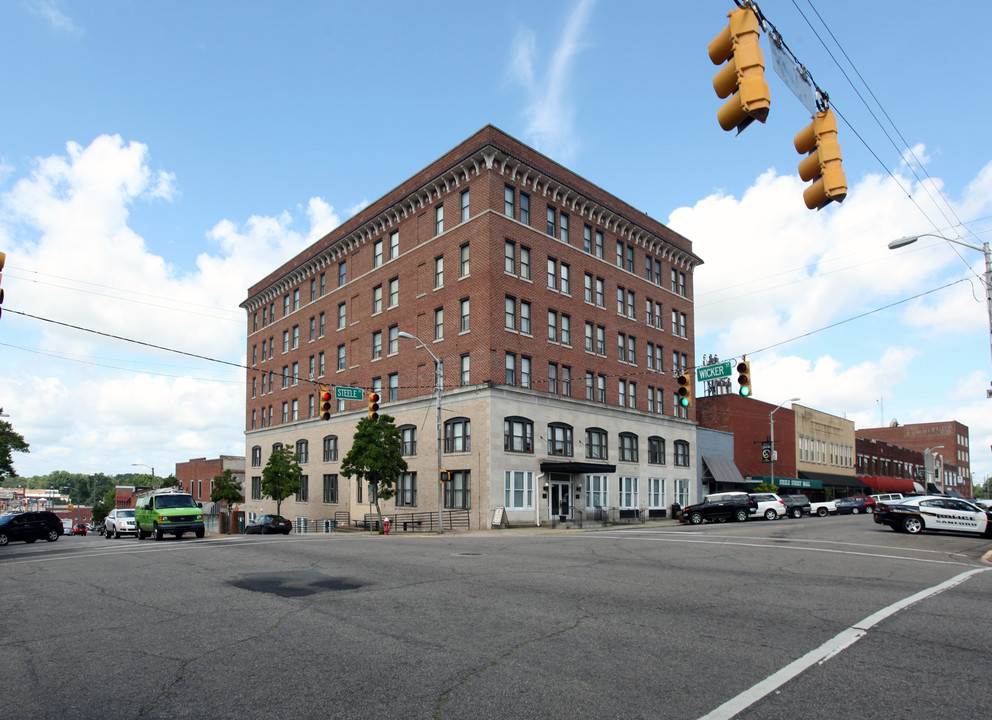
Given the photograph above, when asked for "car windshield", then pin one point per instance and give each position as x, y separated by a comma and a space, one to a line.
126, 513
174, 501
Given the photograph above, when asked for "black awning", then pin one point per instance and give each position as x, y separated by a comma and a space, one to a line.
829, 479
723, 470
577, 467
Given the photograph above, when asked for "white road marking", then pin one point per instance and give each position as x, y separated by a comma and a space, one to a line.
827, 650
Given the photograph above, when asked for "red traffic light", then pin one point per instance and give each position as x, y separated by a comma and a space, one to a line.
373, 406
325, 403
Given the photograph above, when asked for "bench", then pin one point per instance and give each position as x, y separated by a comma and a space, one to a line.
417, 523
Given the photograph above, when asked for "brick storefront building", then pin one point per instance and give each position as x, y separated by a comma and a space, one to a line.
560, 314
948, 443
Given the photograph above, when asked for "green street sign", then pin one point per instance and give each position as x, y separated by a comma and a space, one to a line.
714, 372
348, 393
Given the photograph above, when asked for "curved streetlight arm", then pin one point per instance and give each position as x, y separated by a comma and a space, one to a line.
771, 428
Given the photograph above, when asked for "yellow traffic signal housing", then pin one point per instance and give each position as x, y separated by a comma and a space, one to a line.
684, 392
823, 163
743, 77
744, 378
325, 402
373, 406
445, 477
3, 259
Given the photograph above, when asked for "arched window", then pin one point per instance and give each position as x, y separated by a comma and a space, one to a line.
597, 444
408, 440
458, 435
256, 456
303, 451
656, 450
560, 439
276, 447
330, 448
681, 453
628, 447
518, 435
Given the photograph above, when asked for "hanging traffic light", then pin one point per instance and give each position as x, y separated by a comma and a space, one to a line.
823, 163
743, 77
3, 259
325, 402
373, 406
685, 390
744, 377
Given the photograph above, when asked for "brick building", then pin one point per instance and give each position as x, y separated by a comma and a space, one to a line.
559, 313
890, 468
196, 476
946, 442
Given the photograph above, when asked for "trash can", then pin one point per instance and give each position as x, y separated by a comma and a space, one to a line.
676, 509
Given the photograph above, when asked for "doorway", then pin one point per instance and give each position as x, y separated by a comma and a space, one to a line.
560, 496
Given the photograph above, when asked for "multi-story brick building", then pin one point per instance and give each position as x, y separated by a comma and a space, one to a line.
890, 468
947, 445
196, 476
560, 315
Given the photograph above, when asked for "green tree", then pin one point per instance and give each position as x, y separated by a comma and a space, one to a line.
226, 487
102, 508
281, 476
766, 488
375, 457
10, 441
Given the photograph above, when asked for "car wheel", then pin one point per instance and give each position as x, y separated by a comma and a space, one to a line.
107, 535
4, 539
199, 533
855, 511
822, 512
770, 514
797, 512
721, 519
157, 532
913, 525
742, 516
868, 510
695, 518
53, 535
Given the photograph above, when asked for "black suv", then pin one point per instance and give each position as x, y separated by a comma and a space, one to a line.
719, 507
30, 526
796, 505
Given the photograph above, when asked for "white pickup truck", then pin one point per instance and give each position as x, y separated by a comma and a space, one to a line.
823, 508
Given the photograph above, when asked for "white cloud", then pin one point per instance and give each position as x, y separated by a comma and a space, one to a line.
53, 15
87, 402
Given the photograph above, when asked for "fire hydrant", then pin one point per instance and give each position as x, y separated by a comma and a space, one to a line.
385, 525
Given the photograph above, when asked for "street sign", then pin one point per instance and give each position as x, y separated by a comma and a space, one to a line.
348, 393
713, 372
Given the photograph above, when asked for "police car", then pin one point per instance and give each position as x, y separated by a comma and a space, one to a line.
934, 512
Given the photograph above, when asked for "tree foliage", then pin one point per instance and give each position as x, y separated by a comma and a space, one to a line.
281, 476
375, 457
226, 487
766, 487
10, 441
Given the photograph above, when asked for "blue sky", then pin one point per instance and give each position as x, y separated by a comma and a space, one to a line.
156, 158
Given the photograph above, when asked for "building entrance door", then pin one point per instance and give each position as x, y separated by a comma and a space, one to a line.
559, 497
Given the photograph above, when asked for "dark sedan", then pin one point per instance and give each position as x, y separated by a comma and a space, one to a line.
265, 524
855, 505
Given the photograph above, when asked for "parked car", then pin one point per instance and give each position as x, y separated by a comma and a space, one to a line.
796, 505
886, 498
265, 524
935, 512
167, 511
120, 521
30, 526
79, 529
768, 505
822, 509
983, 503
855, 505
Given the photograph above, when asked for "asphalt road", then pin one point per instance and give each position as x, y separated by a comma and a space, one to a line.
815, 618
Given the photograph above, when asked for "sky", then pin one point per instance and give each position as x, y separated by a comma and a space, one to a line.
158, 158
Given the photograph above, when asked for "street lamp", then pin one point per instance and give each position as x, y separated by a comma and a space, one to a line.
928, 466
438, 387
150, 468
771, 424
983, 248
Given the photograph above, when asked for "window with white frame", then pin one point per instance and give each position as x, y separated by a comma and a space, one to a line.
597, 493
682, 492
518, 489
458, 490
464, 205
656, 493
628, 492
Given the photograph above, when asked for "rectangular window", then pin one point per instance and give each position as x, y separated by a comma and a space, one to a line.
525, 317
525, 262
439, 324
509, 202
656, 492
525, 208
458, 490
525, 372
587, 238
464, 322
553, 378
304, 493
313, 329
394, 340
394, 244
330, 488
464, 259
552, 326
510, 313
566, 380
377, 253
406, 489
394, 292
377, 345
439, 219
341, 365
563, 226
599, 244
596, 491
564, 279
377, 299
313, 289
509, 257
342, 273
511, 369
341, 316
330, 448
296, 299
552, 222
518, 489
465, 366
628, 492
552, 274
464, 205
438, 272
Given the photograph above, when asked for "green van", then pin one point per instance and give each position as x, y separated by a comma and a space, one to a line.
168, 512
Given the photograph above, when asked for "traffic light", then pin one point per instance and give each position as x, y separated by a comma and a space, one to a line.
3, 258
823, 163
325, 402
373, 406
743, 77
685, 389
744, 377
445, 476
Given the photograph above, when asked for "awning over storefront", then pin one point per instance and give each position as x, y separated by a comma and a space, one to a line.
722, 470
831, 480
882, 484
550, 466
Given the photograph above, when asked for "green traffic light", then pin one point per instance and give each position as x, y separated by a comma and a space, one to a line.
745, 390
